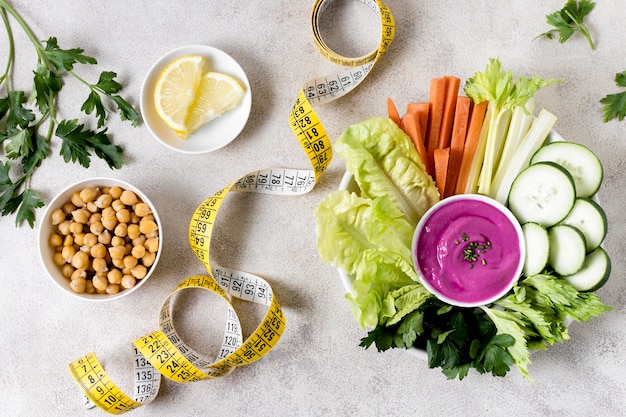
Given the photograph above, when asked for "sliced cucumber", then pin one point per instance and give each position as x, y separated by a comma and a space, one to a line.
588, 217
583, 165
537, 248
567, 249
594, 273
543, 193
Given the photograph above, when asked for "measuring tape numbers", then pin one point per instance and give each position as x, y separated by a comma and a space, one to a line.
163, 353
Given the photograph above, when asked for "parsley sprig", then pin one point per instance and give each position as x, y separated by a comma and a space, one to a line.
570, 20
614, 105
28, 123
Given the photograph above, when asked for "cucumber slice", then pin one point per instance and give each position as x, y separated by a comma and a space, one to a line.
567, 249
583, 165
588, 217
543, 193
537, 248
594, 273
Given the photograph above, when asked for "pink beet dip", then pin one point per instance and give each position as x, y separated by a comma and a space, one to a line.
468, 250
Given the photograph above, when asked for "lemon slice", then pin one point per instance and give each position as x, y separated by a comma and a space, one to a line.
216, 94
175, 90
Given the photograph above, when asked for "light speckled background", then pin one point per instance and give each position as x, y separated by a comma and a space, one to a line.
317, 367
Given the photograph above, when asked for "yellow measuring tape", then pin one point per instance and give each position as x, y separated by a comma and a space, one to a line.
163, 352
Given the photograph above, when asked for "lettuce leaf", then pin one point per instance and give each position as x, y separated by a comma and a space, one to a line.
384, 161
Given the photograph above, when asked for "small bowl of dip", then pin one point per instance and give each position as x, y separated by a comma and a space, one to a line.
468, 250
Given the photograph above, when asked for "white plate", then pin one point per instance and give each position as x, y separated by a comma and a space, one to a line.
217, 133
348, 183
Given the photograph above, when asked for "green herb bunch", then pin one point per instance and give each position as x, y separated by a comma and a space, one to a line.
28, 122
570, 20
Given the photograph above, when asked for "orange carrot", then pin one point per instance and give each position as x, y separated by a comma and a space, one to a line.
421, 110
449, 105
412, 127
441, 159
393, 112
435, 115
471, 144
457, 142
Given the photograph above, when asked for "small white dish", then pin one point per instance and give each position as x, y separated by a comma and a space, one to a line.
46, 229
217, 133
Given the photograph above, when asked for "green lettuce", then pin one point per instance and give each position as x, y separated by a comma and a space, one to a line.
384, 161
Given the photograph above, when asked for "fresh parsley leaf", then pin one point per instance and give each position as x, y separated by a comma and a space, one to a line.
92, 103
107, 86
569, 20
17, 116
104, 149
127, 112
77, 141
614, 105
64, 59
30, 201
19, 143
46, 83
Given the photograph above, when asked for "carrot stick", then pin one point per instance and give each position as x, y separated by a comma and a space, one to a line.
412, 127
421, 109
471, 144
441, 159
449, 105
435, 114
457, 142
393, 112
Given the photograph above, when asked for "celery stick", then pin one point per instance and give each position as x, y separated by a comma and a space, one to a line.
498, 126
521, 120
533, 140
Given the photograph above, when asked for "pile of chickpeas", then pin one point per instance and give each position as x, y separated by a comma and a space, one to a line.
105, 239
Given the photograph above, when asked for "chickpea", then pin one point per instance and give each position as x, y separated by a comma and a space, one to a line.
133, 231
76, 200
98, 250
117, 252
94, 218
151, 235
141, 240
112, 289
80, 260
68, 208
148, 259
99, 265
128, 281
89, 289
67, 270
130, 261
100, 283
118, 241
109, 222
78, 285
68, 240
79, 239
123, 216
55, 240
117, 205
139, 271
57, 216
142, 209
114, 276
115, 192
134, 218
96, 228
91, 207
147, 226
129, 198
90, 239
78, 274
118, 262
68, 253
105, 237
138, 251
76, 227
89, 194
64, 227
152, 244
58, 259
104, 200
121, 229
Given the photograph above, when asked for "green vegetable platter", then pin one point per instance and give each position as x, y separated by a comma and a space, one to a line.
397, 174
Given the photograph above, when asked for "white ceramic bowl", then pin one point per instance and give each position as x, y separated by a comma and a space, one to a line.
46, 228
436, 227
217, 133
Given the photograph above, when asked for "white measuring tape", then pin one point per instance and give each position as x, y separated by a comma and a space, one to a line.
163, 352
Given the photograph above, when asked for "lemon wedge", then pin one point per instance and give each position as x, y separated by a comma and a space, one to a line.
175, 90
216, 94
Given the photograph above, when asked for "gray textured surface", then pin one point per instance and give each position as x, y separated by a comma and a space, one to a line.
317, 368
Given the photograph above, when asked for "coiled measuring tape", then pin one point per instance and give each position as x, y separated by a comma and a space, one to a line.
163, 352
